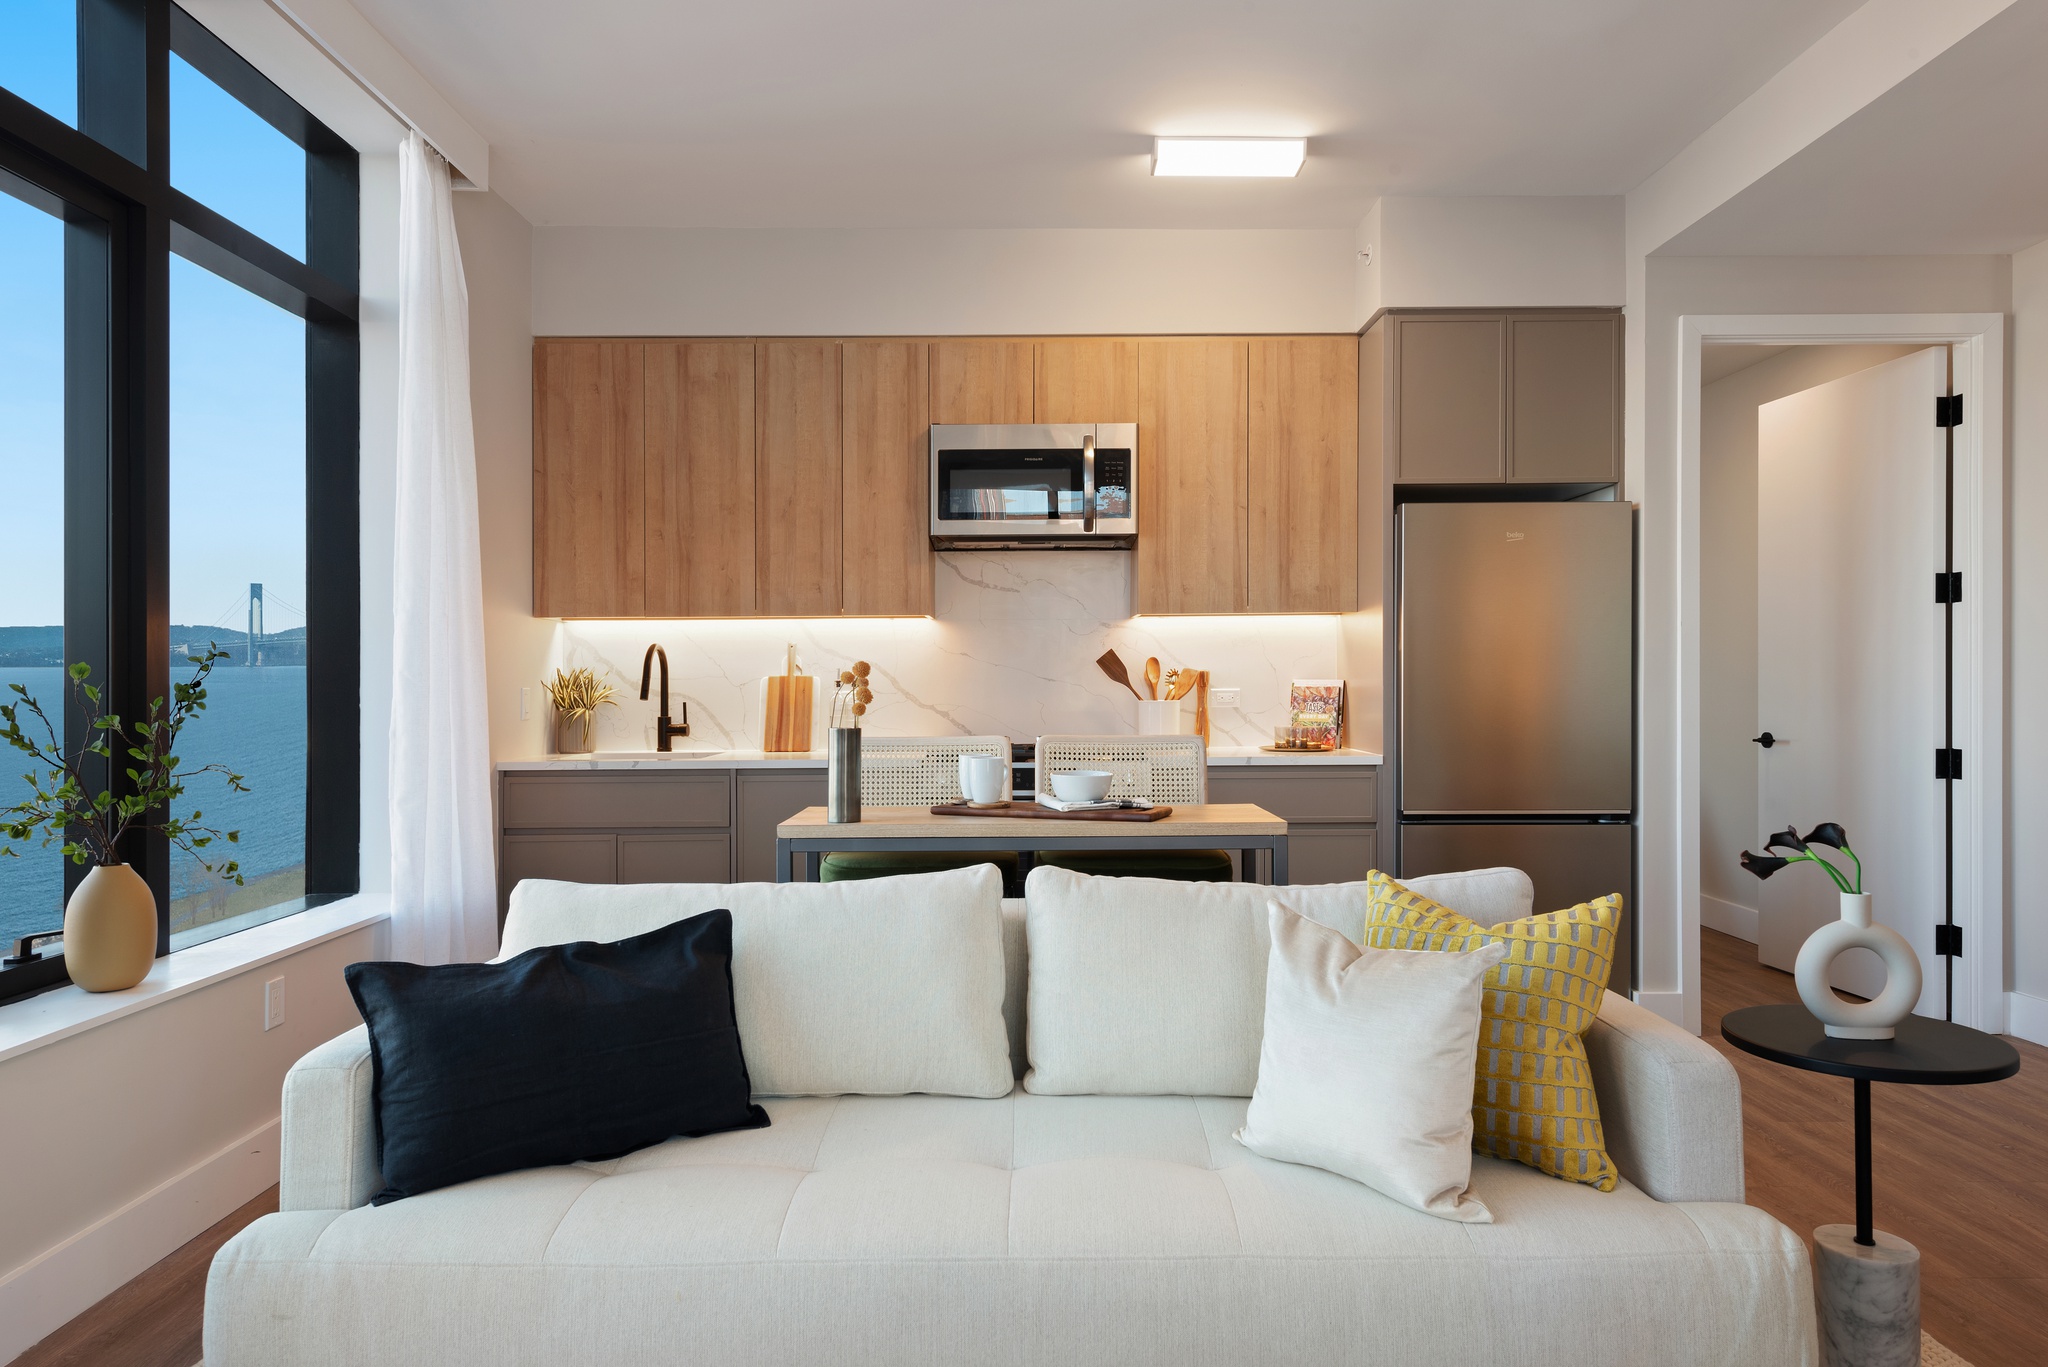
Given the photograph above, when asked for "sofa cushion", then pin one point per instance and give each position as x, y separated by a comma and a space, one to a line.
1532, 1098
1366, 1065
564, 1052
934, 1231
884, 986
1143, 986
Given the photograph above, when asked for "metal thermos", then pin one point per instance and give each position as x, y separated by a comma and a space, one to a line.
842, 773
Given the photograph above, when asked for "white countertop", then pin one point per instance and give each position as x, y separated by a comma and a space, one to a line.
709, 759
815, 759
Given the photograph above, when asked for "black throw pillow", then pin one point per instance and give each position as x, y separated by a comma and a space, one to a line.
570, 1051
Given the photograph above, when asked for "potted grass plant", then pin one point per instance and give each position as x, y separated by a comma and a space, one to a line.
110, 918
576, 695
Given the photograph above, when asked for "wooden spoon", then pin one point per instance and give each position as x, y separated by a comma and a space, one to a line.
1152, 677
1114, 667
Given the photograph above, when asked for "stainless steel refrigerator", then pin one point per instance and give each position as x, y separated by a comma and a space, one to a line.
1516, 660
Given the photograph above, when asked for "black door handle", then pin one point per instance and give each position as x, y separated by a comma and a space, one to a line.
1767, 740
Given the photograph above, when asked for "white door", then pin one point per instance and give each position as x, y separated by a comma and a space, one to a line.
1850, 666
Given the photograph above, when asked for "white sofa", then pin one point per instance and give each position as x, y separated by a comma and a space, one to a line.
954, 1231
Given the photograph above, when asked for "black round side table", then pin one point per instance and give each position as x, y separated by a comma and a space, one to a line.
1869, 1284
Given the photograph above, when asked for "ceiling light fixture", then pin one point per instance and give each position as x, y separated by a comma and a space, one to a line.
1228, 156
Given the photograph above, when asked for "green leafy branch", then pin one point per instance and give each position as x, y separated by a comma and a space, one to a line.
91, 820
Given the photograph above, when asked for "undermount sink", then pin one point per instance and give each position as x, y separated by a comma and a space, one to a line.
650, 754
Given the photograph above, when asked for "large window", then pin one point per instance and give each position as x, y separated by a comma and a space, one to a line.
178, 423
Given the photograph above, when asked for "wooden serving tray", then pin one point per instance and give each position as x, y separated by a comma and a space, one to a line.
1032, 809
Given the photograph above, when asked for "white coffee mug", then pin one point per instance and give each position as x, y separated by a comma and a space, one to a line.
981, 778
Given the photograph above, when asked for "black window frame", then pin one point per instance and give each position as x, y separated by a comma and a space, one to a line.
124, 221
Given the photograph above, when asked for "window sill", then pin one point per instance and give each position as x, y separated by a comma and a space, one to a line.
33, 1022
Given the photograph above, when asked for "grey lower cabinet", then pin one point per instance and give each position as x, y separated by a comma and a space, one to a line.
1330, 812
702, 825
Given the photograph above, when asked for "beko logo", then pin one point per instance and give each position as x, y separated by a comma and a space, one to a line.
1514, 536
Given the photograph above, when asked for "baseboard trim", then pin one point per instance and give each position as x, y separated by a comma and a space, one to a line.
57, 1285
1669, 1005
1728, 918
2027, 1017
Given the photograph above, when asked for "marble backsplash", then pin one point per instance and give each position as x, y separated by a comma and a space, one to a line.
1010, 650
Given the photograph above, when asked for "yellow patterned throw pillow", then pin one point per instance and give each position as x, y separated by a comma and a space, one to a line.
1532, 1095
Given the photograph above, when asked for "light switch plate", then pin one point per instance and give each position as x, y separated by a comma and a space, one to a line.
1224, 697
525, 702
273, 1003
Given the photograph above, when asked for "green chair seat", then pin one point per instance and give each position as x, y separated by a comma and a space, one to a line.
843, 866
1186, 866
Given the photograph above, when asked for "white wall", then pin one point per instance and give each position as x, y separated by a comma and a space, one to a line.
2028, 604
497, 263
1675, 286
1728, 612
126, 1140
1493, 251
909, 282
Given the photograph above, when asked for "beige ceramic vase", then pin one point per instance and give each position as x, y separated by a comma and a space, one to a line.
110, 930
575, 733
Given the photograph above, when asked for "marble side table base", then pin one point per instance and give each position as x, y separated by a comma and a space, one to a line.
1867, 1299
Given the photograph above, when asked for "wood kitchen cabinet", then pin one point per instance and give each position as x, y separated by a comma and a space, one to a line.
589, 481
797, 475
1303, 487
981, 380
1516, 396
1085, 379
885, 493
700, 479
1193, 475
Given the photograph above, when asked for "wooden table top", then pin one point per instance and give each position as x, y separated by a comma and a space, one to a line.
918, 823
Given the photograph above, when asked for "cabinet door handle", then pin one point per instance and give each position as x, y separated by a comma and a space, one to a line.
1767, 740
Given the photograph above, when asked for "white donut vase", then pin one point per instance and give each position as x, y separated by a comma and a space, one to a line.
1875, 1018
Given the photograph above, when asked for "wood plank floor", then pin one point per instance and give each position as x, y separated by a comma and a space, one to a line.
153, 1321
1957, 1173
1955, 1170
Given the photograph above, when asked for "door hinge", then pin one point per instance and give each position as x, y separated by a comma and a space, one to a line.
1948, 942
1948, 764
1948, 586
1948, 410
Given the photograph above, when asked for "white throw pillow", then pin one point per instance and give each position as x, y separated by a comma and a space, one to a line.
880, 986
1150, 987
1366, 1066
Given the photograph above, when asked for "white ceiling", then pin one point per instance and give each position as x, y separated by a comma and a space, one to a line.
814, 113
1948, 160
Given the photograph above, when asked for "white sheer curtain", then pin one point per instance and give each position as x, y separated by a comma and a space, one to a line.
443, 886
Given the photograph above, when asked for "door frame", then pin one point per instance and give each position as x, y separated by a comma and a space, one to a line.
1981, 892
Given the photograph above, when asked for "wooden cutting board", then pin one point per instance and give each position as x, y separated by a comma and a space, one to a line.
1032, 809
786, 714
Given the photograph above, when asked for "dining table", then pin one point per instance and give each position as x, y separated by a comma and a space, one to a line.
1256, 834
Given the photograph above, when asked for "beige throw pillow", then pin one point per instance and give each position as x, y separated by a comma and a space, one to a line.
1366, 1065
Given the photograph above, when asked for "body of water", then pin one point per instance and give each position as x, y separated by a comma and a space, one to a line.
255, 723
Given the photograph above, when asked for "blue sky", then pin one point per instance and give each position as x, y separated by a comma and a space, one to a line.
237, 362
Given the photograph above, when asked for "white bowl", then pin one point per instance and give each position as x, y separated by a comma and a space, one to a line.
1082, 785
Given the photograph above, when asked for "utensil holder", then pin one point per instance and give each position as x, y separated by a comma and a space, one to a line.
842, 774
1160, 718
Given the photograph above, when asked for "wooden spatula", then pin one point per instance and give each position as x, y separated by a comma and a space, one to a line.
1114, 667
1182, 686
1152, 677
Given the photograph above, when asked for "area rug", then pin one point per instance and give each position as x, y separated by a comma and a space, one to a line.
1932, 1354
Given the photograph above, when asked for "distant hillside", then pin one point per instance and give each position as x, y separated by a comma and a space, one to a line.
43, 647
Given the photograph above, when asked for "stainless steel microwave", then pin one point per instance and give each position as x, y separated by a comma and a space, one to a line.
1049, 486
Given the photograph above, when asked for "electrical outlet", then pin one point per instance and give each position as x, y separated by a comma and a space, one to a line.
1224, 697
273, 1003
525, 703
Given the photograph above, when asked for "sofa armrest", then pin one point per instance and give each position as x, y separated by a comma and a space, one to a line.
1670, 1105
329, 1159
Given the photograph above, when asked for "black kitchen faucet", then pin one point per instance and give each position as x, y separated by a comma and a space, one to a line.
664, 729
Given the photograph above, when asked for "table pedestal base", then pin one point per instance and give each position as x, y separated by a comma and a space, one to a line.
1867, 1299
